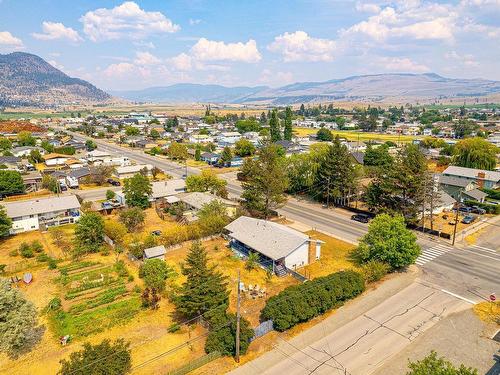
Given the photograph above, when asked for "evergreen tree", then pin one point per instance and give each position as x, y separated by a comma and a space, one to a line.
274, 126
205, 288
263, 118
266, 181
302, 110
337, 175
226, 156
5, 222
288, 131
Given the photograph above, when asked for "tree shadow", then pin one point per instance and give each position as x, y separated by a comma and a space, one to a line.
33, 339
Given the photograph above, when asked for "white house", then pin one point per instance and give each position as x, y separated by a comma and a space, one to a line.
167, 188
157, 252
131, 170
228, 138
54, 159
200, 138
96, 155
42, 213
278, 246
25, 151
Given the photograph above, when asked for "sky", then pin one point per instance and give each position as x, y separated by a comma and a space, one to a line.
129, 45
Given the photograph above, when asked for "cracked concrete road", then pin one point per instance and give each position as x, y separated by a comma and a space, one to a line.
363, 344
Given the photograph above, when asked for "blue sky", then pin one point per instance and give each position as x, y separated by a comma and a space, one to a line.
133, 45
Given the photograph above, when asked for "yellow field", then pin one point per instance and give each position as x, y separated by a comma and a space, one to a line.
353, 135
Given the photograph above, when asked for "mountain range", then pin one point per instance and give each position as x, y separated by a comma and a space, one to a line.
368, 88
28, 80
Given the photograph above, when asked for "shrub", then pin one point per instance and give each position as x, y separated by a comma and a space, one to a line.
174, 327
54, 304
14, 253
374, 270
42, 258
300, 303
155, 273
222, 336
52, 264
121, 269
36, 246
25, 250
490, 208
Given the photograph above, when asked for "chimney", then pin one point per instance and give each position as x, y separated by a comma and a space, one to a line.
311, 255
480, 178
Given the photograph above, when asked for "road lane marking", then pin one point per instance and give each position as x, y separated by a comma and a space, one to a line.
458, 296
484, 248
482, 255
432, 253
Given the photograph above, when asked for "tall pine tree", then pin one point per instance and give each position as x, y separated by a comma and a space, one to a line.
287, 131
337, 176
274, 126
204, 290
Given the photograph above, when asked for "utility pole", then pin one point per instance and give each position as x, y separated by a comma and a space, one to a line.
238, 321
328, 192
456, 218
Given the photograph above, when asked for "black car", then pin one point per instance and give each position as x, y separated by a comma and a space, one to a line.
113, 182
362, 218
478, 210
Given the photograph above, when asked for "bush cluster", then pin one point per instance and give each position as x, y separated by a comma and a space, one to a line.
300, 303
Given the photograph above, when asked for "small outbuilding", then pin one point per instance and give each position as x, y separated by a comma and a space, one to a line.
157, 252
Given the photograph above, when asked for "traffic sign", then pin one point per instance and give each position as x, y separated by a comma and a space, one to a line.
493, 298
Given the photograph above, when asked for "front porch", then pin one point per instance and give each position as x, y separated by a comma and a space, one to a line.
243, 251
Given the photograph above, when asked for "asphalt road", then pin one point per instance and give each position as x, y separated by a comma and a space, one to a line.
451, 279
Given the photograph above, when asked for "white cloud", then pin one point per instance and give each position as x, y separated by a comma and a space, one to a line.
210, 50
56, 30
119, 69
298, 46
146, 58
483, 30
413, 21
9, 40
55, 64
193, 22
367, 7
141, 43
466, 59
127, 20
182, 62
401, 64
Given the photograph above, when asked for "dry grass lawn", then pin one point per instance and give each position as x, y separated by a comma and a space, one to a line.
488, 311
353, 135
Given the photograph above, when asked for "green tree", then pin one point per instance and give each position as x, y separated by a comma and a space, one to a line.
226, 155
106, 358
337, 176
116, 231
18, 320
5, 144
213, 217
132, 218
432, 365
265, 181
155, 273
222, 336
154, 134
25, 138
207, 181
11, 182
324, 135
100, 174
378, 156
90, 145
137, 190
5, 222
89, 233
197, 153
47, 146
274, 126
110, 194
50, 183
130, 131
205, 289
177, 151
35, 157
252, 261
388, 241
287, 130
248, 125
244, 148
475, 153
400, 189
464, 128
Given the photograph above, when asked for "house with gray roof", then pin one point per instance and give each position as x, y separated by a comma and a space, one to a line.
482, 178
41, 213
460, 188
278, 246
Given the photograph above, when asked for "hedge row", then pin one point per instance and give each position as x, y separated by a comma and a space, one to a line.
494, 194
490, 208
300, 303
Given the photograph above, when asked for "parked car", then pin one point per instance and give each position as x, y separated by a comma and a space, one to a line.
113, 182
362, 218
463, 209
106, 205
468, 219
478, 210
63, 187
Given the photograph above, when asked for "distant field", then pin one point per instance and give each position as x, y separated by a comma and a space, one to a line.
353, 135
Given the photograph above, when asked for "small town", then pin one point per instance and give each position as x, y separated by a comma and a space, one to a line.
339, 227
